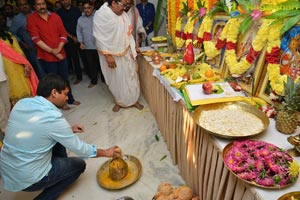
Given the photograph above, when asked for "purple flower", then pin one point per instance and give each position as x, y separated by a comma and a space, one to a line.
256, 14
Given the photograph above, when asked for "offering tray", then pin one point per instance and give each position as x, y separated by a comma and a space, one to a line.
260, 164
240, 106
290, 196
134, 173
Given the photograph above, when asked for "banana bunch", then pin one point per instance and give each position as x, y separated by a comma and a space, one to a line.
254, 101
174, 73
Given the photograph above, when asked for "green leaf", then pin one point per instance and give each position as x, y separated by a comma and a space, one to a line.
160, 14
157, 138
283, 14
245, 25
288, 24
162, 158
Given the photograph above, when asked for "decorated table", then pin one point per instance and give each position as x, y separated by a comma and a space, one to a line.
197, 153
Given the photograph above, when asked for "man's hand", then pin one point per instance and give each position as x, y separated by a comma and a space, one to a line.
82, 46
110, 61
59, 56
27, 71
77, 128
114, 152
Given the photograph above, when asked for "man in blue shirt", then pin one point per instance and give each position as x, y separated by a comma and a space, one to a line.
87, 42
33, 156
147, 12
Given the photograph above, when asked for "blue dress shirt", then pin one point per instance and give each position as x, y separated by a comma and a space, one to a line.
35, 125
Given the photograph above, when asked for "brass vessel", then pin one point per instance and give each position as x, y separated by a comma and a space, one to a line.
295, 141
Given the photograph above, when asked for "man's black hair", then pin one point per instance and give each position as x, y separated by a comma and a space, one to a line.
50, 82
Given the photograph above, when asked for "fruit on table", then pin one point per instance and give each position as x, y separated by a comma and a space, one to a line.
217, 89
209, 73
196, 75
207, 88
186, 77
163, 67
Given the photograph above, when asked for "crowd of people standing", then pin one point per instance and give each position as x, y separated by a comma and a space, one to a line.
38, 47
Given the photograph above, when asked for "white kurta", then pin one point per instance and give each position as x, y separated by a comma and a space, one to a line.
113, 36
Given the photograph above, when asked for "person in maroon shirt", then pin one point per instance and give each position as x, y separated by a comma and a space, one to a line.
49, 36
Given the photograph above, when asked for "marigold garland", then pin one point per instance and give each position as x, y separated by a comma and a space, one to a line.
229, 37
272, 59
187, 35
240, 67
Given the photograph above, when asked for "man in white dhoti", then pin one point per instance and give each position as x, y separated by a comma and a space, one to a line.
116, 47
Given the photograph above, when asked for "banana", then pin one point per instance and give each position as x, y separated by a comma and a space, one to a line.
260, 101
248, 100
166, 71
198, 80
214, 78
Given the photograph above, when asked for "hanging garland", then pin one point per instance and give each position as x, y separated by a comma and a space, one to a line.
178, 41
272, 59
260, 40
187, 35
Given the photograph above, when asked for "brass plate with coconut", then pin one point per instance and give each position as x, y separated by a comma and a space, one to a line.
119, 173
231, 119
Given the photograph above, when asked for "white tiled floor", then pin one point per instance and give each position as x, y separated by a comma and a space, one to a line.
133, 130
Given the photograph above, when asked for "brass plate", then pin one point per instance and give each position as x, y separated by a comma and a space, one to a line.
233, 106
225, 151
134, 173
290, 196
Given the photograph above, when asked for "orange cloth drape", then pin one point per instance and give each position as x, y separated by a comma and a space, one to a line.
15, 57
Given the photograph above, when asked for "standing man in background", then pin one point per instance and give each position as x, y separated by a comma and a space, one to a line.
69, 15
147, 12
18, 28
49, 36
87, 43
138, 31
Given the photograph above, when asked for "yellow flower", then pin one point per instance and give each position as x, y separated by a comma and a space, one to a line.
294, 168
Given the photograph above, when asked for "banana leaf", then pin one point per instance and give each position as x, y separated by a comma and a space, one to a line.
245, 25
160, 15
219, 6
281, 14
290, 23
185, 9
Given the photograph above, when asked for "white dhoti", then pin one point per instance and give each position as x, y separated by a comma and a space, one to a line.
113, 36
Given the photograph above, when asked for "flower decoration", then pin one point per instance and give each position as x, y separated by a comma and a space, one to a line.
261, 163
202, 12
256, 14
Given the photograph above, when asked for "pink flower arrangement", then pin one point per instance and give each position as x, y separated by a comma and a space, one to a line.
260, 162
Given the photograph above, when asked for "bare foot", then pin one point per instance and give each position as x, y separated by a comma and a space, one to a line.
65, 107
138, 106
76, 103
91, 85
116, 108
